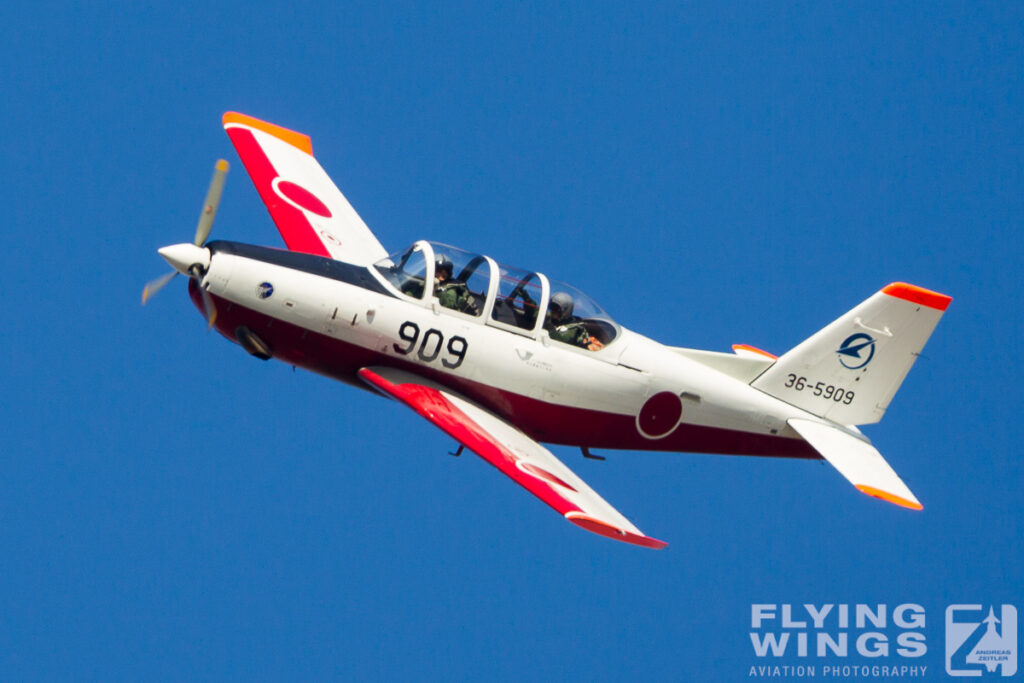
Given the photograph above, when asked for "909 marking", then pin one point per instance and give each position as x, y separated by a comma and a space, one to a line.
430, 347
825, 391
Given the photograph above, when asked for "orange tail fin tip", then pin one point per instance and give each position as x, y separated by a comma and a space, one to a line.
918, 295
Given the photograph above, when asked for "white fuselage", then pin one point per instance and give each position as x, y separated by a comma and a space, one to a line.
626, 395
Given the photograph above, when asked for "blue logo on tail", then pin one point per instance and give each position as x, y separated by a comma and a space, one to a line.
856, 351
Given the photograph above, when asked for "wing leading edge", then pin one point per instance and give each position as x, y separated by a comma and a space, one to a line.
309, 210
518, 456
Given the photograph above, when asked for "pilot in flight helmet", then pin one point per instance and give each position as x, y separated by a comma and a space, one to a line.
442, 262
560, 306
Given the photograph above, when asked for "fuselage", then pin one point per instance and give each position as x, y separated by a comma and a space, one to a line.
334, 318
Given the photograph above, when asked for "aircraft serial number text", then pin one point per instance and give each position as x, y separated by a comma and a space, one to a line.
430, 347
825, 391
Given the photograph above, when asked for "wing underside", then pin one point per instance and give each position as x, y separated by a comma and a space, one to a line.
518, 456
309, 210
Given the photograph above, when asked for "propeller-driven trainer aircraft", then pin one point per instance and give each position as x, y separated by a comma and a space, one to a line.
503, 359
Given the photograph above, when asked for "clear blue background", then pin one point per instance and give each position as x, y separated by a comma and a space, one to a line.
712, 173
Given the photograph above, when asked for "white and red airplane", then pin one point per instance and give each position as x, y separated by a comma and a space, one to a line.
503, 359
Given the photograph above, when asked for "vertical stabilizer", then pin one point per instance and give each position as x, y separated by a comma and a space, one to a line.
849, 371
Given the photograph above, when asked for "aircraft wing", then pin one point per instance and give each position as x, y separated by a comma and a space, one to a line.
528, 463
307, 207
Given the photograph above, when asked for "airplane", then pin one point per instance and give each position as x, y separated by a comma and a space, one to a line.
504, 359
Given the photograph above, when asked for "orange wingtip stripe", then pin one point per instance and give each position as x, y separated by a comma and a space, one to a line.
754, 349
918, 295
890, 498
297, 140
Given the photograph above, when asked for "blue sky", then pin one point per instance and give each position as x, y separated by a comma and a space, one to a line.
711, 173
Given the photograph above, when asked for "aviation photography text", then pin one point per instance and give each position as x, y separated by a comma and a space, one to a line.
834, 640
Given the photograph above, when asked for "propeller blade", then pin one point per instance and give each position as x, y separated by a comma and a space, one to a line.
211, 203
154, 286
209, 308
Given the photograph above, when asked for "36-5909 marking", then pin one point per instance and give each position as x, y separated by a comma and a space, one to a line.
825, 391
430, 347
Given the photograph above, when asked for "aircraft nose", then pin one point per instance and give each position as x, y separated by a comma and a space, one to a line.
183, 256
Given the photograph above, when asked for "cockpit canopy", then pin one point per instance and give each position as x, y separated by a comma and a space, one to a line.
502, 296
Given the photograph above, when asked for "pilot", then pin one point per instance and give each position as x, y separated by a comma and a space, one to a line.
450, 293
563, 326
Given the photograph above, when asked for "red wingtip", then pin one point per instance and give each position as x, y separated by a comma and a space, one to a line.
918, 295
297, 140
890, 498
604, 529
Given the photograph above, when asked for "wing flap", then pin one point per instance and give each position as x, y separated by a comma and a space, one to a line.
858, 461
518, 456
309, 210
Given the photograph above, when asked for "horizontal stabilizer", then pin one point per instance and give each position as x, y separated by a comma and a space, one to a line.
743, 367
858, 461
748, 351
